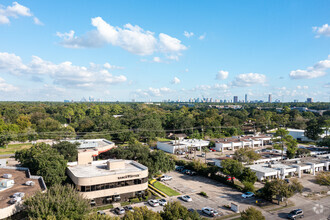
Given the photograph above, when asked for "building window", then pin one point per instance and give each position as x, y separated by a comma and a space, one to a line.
113, 185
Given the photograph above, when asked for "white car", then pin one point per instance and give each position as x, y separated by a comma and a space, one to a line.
248, 195
186, 198
209, 211
120, 210
165, 178
19, 194
14, 200
153, 202
162, 202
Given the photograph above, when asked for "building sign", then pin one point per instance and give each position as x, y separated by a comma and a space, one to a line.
128, 176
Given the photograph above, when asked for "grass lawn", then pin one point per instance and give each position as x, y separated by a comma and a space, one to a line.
168, 191
163, 139
12, 148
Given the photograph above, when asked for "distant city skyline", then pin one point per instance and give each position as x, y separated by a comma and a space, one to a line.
155, 50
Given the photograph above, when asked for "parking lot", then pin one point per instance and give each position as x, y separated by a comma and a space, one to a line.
218, 193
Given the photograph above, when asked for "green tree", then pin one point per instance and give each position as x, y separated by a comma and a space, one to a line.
248, 175
68, 150
252, 213
280, 189
292, 146
174, 211
314, 129
232, 167
45, 161
142, 213
246, 155
282, 134
58, 202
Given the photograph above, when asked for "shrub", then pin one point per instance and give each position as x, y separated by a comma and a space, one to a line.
252, 213
203, 194
134, 200
248, 187
323, 178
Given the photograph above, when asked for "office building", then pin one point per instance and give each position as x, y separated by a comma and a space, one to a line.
246, 98
107, 181
270, 98
235, 143
309, 100
181, 145
235, 99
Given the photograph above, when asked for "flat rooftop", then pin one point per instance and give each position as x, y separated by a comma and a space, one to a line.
91, 143
99, 168
20, 178
242, 138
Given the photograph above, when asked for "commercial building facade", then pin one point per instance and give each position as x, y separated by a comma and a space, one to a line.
107, 181
241, 142
181, 145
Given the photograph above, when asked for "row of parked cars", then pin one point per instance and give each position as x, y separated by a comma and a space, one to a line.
183, 170
155, 202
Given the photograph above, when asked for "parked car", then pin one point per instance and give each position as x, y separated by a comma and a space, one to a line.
212, 149
203, 154
18, 194
298, 213
29, 183
179, 168
162, 202
165, 178
209, 211
185, 171
92, 203
100, 212
14, 200
128, 208
153, 202
119, 210
229, 178
186, 198
248, 195
191, 210
192, 173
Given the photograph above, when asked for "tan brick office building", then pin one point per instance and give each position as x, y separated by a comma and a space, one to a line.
108, 181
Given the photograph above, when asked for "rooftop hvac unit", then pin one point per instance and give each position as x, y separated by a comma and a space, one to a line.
7, 176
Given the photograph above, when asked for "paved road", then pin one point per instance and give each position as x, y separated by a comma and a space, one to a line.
313, 209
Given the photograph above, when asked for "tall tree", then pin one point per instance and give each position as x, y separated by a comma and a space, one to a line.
45, 161
68, 150
282, 134
59, 202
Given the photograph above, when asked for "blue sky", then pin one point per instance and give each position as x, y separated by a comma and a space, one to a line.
157, 50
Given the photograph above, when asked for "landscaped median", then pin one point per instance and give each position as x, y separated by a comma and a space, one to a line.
162, 189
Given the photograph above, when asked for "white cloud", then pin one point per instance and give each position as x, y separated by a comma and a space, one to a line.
323, 30
173, 57
202, 37
4, 87
157, 60
222, 75
318, 70
302, 87
188, 34
186, 70
249, 79
152, 92
15, 11
109, 66
221, 86
131, 38
65, 74
327, 85
170, 44
175, 80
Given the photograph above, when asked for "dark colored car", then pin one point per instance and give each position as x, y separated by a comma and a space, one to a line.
298, 213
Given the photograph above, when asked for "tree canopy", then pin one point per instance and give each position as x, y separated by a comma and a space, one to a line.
68, 150
252, 213
45, 161
59, 202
